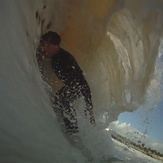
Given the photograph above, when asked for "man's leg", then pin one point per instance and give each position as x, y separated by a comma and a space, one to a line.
70, 120
63, 100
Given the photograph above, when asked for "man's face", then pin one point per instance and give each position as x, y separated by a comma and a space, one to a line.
50, 49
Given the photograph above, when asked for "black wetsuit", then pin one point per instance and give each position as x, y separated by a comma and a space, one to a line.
68, 71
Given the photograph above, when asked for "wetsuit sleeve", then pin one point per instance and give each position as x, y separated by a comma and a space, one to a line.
89, 105
73, 64
39, 57
87, 96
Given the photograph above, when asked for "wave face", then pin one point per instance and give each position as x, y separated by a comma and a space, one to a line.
115, 42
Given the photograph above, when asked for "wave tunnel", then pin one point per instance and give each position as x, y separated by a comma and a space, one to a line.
116, 43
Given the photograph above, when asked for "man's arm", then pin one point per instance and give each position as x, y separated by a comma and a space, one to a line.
89, 109
39, 57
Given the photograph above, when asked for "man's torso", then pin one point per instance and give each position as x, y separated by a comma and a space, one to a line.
66, 68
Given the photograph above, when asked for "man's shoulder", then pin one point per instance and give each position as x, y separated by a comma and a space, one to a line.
63, 51
66, 54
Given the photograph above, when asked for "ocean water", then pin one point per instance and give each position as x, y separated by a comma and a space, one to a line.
116, 43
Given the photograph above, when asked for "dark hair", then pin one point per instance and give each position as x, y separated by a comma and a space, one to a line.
52, 37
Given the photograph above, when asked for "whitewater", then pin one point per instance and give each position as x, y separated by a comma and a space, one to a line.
116, 43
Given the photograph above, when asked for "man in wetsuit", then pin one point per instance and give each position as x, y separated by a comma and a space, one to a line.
75, 86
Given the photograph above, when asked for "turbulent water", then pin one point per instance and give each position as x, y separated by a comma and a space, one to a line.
115, 42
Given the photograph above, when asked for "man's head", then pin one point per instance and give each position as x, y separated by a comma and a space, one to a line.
51, 43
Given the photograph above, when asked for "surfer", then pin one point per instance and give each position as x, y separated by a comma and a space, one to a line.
75, 86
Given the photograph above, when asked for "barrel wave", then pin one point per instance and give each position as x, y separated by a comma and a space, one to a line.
116, 43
